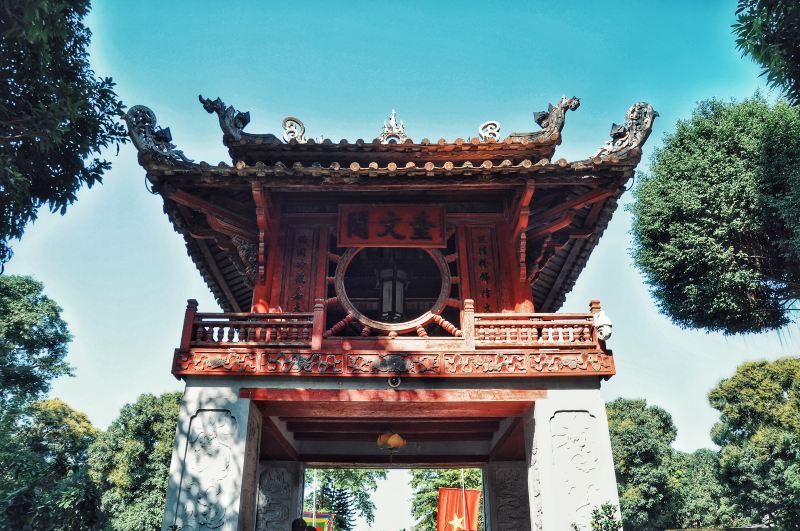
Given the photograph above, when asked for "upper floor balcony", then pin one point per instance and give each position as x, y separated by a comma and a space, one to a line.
482, 345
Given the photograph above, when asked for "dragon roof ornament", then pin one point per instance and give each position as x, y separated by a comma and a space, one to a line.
231, 121
551, 121
149, 139
629, 137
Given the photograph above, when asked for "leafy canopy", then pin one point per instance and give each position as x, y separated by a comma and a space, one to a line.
33, 343
641, 439
660, 487
759, 432
130, 462
55, 114
769, 31
43, 480
716, 229
347, 492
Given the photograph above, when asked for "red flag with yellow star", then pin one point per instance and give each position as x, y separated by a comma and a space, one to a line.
458, 509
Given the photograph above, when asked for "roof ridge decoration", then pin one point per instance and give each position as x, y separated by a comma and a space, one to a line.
152, 140
489, 130
393, 132
627, 139
551, 121
294, 129
231, 121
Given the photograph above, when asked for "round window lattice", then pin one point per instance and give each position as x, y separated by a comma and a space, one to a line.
405, 326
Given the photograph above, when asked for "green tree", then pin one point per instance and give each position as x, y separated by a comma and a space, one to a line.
641, 439
701, 499
33, 345
346, 492
55, 114
759, 436
769, 31
715, 222
130, 462
43, 480
426, 482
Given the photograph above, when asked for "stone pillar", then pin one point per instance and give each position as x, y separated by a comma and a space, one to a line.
570, 467
506, 504
212, 483
280, 494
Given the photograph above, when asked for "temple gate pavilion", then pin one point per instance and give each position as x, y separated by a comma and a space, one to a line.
390, 287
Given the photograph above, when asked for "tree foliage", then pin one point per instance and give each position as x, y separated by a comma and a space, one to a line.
346, 492
426, 483
43, 480
759, 436
660, 487
641, 439
130, 462
33, 343
55, 114
769, 31
715, 221
700, 498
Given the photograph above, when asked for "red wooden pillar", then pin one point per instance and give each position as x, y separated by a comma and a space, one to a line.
188, 324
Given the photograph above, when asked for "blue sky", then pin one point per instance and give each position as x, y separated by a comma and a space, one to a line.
122, 275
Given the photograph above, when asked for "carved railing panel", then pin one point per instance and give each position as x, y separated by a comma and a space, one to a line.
488, 344
535, 330
237, 329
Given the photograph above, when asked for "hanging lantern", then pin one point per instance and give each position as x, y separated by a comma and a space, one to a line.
391, 441
392, 283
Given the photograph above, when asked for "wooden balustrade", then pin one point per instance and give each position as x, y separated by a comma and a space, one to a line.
534, 330
478, 331
231, 329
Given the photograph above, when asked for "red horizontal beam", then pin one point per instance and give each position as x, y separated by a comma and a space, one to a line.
350, 426
393, 460
402, 395
410, 436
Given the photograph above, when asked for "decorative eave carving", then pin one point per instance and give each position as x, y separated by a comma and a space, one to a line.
627, 139
231, 121
551, 121
394, 132
151, 140
248, 256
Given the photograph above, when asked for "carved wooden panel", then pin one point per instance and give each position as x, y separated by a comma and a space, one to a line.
276, 362
299, 272
483, 268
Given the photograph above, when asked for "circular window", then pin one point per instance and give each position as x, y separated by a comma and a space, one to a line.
392, 289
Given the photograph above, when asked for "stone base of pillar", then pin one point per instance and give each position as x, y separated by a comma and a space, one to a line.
214, 462
506, 501
280, 495
570, 467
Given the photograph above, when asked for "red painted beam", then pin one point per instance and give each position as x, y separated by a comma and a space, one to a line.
402, 395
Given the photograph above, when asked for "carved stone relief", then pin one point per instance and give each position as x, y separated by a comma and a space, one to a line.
510, 498
278, 496
536, 486
575, 463
203, 502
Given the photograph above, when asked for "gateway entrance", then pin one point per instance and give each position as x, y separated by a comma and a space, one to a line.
390, 286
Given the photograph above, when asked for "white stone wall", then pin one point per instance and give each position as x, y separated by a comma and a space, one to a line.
571, 470
214, 462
